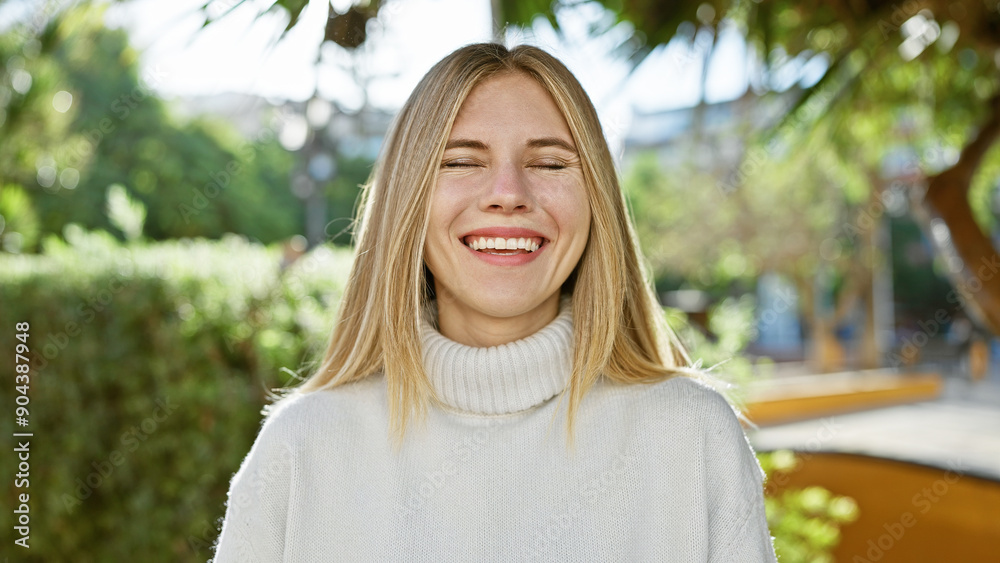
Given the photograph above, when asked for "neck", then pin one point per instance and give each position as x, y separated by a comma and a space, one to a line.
480, 329
503, 379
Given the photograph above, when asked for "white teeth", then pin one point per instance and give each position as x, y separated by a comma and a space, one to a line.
498, 243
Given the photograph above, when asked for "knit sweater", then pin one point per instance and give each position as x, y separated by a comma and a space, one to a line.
660, 472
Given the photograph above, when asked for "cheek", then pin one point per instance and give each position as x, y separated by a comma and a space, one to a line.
582, 218
440, 215
449, 200
572, 213
445, 209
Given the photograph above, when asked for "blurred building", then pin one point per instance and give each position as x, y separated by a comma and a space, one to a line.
355, 134
711, 135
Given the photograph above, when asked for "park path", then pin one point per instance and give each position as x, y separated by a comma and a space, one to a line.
960, 428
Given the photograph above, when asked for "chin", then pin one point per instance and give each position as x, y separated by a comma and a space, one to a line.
507, 306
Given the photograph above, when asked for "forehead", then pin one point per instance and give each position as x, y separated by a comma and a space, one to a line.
511, 104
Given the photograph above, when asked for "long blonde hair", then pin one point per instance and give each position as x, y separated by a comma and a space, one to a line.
619, 331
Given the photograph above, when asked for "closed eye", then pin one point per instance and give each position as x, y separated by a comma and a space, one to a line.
549, 164
459, 164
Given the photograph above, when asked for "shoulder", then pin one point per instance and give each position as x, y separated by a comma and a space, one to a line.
688, 413
680, 397
704, 411
688, 388
700, 403
300, 415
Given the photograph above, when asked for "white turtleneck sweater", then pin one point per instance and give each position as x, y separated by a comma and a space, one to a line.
661, 472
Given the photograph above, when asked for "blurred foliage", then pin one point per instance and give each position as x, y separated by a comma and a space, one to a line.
911, 119
342, 195
918, 288
802, 195
205, 327
771, 218
348, 29
125, 213
195, 179
805, 522
731, 326
19, 217
780, 216
859, 41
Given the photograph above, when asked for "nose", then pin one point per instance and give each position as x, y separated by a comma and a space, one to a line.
508, 191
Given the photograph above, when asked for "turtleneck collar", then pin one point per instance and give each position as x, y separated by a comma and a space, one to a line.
501, 379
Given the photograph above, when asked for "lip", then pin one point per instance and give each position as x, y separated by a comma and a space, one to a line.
505, 232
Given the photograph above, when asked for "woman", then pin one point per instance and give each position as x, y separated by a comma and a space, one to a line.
496, 269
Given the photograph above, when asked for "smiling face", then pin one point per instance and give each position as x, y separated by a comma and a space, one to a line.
509, 215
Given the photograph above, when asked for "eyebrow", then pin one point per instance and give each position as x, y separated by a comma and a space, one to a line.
465, 144
551, 142
533, 143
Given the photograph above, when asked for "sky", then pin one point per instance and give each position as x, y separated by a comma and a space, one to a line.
237, 54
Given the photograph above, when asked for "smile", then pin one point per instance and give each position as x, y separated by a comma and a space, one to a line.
503, 246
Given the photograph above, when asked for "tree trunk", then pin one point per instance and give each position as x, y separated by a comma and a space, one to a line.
972, 258
825, 354
868, 353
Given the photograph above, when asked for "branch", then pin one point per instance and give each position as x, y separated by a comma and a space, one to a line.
947, 200
959, 177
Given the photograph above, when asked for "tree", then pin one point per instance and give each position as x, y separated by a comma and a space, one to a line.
788, 200
80, 118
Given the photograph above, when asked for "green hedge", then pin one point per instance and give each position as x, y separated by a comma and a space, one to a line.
148, 365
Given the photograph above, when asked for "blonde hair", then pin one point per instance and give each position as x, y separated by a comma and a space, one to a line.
619, 330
